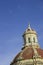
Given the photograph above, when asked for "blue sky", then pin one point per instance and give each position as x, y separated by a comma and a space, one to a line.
15, 15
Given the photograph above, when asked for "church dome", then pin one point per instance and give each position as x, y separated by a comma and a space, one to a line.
27, 53
31, 51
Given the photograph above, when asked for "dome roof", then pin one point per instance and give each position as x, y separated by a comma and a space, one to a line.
30, 50
27, 53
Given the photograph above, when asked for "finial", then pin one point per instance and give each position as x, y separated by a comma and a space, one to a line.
29, 27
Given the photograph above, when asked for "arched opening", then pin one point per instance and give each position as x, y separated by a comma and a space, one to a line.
34, 40
29, 41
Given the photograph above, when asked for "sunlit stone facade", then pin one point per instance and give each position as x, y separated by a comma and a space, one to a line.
31, 53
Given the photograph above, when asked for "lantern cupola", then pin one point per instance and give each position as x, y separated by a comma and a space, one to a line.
30, 38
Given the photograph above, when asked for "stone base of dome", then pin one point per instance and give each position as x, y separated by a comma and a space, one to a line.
30, 46
30, 62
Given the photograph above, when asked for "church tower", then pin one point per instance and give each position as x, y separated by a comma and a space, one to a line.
30, 38
31, 53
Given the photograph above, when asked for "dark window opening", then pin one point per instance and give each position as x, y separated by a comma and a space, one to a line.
34, 40
29, 40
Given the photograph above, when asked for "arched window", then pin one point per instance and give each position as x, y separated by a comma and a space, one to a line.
34, 40
29, 40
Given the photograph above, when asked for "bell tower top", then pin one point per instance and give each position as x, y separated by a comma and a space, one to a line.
30, 38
